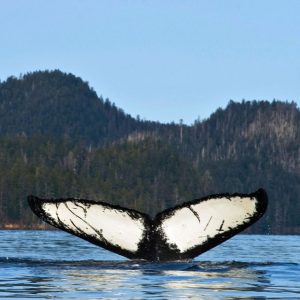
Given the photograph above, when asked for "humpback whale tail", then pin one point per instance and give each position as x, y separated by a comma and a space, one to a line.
182, 232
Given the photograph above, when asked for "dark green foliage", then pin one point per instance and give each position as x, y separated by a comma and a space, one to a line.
148, 175
58, 105
59, 139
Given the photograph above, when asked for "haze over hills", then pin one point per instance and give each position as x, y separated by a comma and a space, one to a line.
59, 139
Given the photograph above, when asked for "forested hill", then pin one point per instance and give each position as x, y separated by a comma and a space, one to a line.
59, 139
57, 105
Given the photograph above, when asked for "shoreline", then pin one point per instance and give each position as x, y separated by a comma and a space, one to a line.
13, 226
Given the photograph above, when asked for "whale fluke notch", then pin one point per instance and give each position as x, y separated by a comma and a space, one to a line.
178, 233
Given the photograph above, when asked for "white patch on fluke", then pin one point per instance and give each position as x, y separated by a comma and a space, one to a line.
105, 224
192, 226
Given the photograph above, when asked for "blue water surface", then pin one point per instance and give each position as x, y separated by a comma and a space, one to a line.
56, 265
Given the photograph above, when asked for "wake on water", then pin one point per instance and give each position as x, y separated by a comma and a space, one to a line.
200, 266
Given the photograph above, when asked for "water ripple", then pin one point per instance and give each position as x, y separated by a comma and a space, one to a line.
44, 265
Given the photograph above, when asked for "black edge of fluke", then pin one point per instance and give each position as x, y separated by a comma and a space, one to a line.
153, 246
262, 204
35, 204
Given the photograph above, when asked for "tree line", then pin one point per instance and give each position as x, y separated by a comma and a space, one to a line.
59, 139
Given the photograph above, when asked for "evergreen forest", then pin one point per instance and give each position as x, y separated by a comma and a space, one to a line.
59, 139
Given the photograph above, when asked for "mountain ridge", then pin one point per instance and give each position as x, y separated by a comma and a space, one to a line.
59, 139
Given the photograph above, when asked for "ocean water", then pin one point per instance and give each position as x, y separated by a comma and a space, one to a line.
56, 265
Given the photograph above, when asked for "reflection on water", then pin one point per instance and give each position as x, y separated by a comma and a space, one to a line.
56, 265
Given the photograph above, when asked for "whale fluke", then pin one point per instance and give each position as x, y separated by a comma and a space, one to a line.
178, 233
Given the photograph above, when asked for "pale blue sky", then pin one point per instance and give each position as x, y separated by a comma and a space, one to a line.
164, 60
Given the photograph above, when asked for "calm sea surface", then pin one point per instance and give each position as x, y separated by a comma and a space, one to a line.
54, 264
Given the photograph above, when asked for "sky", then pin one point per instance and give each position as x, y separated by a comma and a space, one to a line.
162, 60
